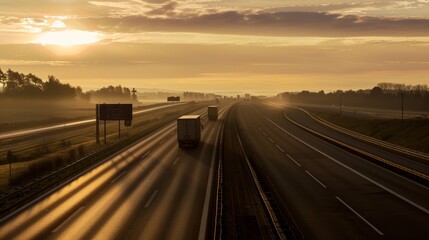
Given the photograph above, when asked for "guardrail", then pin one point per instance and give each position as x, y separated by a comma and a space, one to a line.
371, 112
32, 189
389, 146
267, 200
404, 171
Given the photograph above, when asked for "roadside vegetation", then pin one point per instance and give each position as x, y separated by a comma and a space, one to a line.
46, 155
16, 85
383, 96
410, 133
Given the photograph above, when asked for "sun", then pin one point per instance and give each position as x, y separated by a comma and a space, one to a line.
68, 38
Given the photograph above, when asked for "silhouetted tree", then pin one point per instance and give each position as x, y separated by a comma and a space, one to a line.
384, 95
3, 79
376, 91
54, 89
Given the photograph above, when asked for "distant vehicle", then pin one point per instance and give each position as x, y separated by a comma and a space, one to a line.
173, 99
212, 112
189, 130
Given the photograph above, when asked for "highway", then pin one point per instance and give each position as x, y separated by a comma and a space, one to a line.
151, 190
155, 190
38, 130
23, 142
330, 193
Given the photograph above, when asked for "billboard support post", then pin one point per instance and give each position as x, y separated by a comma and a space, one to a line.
97, 124
105, 141
115, 112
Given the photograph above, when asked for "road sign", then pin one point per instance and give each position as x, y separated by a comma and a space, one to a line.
116, 112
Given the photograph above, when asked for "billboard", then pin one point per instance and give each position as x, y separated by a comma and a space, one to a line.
116, 112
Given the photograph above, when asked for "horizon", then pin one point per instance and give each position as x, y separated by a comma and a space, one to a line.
219, 46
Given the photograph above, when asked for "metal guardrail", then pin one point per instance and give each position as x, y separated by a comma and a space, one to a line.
274, 221
371, 112
32, 189
404, 171
386, 145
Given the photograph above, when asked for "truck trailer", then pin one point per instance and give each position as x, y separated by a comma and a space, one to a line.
189, 130
212, 113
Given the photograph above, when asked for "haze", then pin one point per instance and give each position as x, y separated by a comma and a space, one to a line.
261, 47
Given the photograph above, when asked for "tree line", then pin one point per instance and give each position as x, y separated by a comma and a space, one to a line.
384, 95
29, 86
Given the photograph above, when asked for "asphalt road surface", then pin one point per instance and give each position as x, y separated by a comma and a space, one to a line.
330, 193
152, 190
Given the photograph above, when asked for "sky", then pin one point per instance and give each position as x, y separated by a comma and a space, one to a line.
260, 47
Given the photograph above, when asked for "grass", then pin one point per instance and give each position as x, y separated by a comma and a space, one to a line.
26, 114
411, 133
47, 156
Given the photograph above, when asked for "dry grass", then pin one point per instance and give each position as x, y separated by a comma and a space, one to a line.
411, 133
50, 155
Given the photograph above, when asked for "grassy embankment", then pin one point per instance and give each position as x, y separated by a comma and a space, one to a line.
48, 156
28, 114
411, 133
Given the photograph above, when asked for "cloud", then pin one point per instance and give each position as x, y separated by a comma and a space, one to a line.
166, 9
353, 7
320, 24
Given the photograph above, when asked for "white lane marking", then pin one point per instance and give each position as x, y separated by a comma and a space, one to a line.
151, 199
146, 154
265, 134
175, 161
280, 148
270, 139
293, 160
356, 172
363, 219
162, 141
90, 169
117, 177
67, 220
317, 180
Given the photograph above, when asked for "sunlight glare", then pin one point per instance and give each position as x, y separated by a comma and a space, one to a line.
67, 38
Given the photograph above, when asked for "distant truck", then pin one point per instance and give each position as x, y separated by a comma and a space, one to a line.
189, 130
212, 112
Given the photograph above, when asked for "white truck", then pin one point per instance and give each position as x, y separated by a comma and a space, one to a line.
212, 113
189, 130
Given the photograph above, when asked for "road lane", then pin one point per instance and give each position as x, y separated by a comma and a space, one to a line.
92, 207
24, 132
309, 122
318, 212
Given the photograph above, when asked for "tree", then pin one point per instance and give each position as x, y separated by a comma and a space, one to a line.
3, 79
54, 89
376, 91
